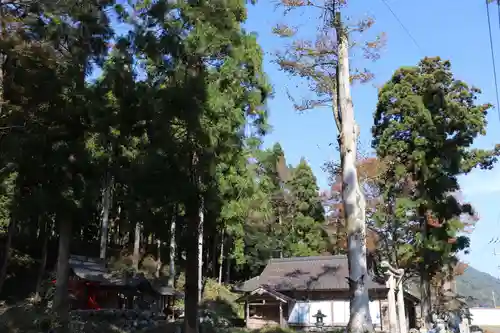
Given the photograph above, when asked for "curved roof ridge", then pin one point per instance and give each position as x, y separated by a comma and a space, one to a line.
291, 259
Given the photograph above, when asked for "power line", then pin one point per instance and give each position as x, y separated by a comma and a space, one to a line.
493, 56
403, 26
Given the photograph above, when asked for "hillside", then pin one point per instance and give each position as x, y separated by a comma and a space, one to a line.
478, 286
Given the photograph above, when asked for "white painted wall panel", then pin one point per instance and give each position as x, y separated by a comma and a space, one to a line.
340, 312
485, 316
375, 312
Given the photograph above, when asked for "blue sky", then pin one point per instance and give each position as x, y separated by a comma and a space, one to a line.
455, 30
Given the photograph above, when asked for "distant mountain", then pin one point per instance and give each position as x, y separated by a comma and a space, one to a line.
478, 287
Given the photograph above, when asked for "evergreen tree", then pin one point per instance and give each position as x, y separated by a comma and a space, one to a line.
305, 220
305, 191
426, 121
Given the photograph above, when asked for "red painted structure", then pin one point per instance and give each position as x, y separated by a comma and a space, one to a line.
84, 290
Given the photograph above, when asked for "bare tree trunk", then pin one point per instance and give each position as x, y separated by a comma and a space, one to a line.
43, 259
221, 257
137, 244
106, 206
61, 299
200, 252
171, 267
7, 252
352, 196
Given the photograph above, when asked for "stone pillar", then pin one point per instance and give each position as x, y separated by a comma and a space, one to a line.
397, 318
393, 321
403, 328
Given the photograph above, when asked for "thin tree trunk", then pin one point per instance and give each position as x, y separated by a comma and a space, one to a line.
352, 196
171, 265
2, 60
200, 252
117, 239
228, 268
43, 259
106, 206
137, 246
7, 252
425, 285
221, 257
158, 258
281, 231
61, 299
191, 290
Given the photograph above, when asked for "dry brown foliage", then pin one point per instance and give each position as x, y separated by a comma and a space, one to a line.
369, 171
314, 58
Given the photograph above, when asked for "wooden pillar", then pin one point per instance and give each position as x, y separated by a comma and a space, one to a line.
247, 312
281, 315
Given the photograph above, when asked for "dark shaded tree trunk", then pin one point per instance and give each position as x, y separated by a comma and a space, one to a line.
106, 206
43, 259
228, 269
191, 290
61, 299
158, 258
201, 217
425, 285
7, 252
173, 247
137, 246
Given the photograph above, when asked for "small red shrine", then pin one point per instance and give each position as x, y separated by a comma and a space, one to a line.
93, 286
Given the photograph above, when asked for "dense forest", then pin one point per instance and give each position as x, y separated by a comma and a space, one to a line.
144, 147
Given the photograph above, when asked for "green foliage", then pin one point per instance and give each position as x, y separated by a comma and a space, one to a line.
424, 125
168, 117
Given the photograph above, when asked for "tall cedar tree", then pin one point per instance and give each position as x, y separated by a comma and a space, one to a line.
219, 83
324, 63
306, 217
427, 120
52, 47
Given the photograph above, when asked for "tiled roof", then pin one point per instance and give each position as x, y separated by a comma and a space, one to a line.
95, 270
306, 273
269, 291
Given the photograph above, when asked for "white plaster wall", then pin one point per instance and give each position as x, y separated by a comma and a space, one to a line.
336, 312
485, 316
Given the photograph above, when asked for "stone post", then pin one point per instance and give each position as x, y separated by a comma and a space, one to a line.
393, 325
401, 302
397, 318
